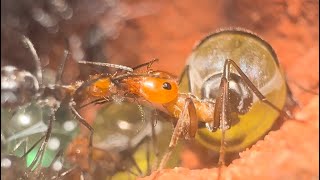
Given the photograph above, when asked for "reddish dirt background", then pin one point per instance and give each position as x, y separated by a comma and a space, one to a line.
291, 27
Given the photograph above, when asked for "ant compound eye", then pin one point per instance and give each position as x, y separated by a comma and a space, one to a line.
166, 86
158, 90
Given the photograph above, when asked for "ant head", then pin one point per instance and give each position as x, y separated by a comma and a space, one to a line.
159, 87
240, 96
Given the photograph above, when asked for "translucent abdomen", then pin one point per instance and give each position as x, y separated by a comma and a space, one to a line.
258, 61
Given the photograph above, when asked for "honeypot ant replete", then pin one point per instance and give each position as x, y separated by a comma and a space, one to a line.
238, 73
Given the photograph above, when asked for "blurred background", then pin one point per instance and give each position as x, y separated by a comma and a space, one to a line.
131, 32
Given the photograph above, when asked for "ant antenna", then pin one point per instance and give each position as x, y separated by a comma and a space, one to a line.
117, 66
61, 67
35, 58
148, 64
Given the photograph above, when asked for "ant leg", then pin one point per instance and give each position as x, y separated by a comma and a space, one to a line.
309, 90
154, 139
39, 155
221, 112
33, 146
83, 122
96, 101
61, 67
129, 172
35, 58
19, 144
87, 125
187, 125
291, 100
66, 173
254, 89
134, 165
141, 114
56, 157
148, 157
146, 139
24, 156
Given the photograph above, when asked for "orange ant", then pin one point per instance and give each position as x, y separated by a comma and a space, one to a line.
162, 88
102, 88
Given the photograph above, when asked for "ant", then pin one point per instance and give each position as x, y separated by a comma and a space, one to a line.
233, 83
99, 89
106, 87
